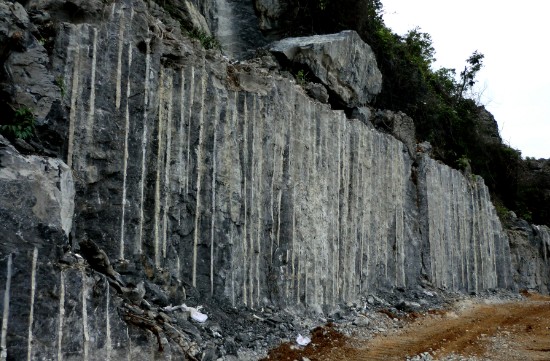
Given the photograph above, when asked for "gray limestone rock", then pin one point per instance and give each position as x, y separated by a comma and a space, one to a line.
465, 246
342, 62
269, 13
235, 25
361, 321
23, 64
400, 125
317, 91
364, 115
192, 16
225, 179
35, 192
530, 253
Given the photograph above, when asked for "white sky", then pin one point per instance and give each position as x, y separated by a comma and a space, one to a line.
514, 36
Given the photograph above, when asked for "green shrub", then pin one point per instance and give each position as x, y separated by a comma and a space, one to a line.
22, 125
301, 77
207, 41
61, 85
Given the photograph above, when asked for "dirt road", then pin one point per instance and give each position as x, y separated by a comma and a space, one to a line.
496, 331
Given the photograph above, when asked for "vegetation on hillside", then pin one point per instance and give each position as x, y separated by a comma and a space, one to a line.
437, 99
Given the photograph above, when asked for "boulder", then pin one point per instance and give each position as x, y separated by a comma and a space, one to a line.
317, 91
342, 62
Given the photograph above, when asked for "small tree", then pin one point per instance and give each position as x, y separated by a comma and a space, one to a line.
468, 75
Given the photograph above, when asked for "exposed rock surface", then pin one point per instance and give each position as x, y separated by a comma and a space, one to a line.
188, 13
465, 245
24, 78
38, 192
270, 12
400, 125
235, 25
343, 62
363, 114
36, 215
530, 252
198, 180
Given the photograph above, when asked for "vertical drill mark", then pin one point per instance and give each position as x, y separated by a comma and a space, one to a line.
108, 340
91, 109
167, 162
245, 195
6, 311
160, 136
74, 94
31, 311
85, 330
139, 241
200, 167
61, 317
258, 198
181, 130
125, 159
338, 225
213, 185
293, 276
232, 274
119, 60
191, 97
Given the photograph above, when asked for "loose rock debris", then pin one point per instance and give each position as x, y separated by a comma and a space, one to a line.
472, 329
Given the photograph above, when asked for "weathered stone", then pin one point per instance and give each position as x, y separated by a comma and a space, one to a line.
73, 10
530, 252
361, 321
342, 62
225, 179
400, 125
24, 64
269, 12
364, 115
192, 16
235, 25
408, 306
465, 245
36, 192
317, 91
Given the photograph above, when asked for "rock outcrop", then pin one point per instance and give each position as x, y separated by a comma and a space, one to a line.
342, 62
465, 246
36, 216
24, 78
224, 181
530, 252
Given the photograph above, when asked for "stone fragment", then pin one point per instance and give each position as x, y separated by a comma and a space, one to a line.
400, 125
364, 115
317, 91
361, 321
407, 306
342, 62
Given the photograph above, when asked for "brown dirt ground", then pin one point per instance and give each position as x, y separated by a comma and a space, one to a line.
498, 331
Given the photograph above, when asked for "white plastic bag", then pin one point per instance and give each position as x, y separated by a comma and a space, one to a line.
303, 340
196, 315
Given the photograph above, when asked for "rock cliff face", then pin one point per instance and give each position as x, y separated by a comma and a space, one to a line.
530, 252
190, 172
